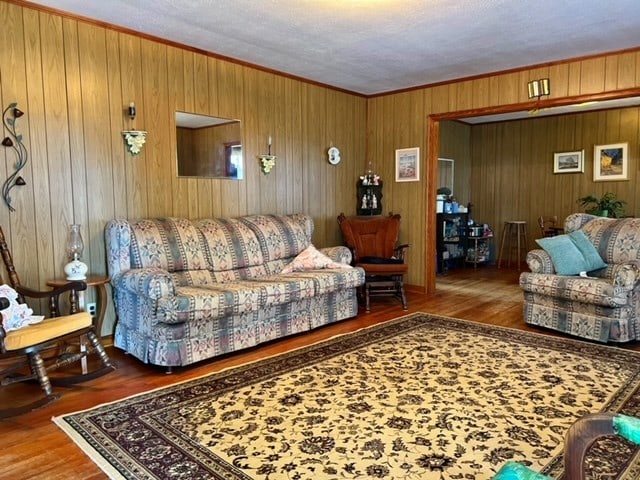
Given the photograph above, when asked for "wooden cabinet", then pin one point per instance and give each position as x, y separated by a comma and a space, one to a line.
451, 240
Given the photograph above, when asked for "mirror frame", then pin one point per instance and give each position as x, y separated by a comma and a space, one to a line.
441, 162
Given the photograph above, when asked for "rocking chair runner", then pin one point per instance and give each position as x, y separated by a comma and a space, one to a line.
24, 347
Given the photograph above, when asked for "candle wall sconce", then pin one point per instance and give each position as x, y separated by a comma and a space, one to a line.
267, 162
133, 139
14, 140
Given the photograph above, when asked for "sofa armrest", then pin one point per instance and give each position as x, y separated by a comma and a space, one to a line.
117, 234
154, 283
339, 254
624, 275
539, 261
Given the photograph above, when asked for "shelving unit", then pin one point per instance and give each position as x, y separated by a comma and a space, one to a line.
451, 240
478, 249
369, 199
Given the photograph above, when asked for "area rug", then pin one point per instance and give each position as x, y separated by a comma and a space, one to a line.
419, 397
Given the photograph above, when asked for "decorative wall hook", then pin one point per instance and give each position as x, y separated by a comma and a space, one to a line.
267, 162
9, 117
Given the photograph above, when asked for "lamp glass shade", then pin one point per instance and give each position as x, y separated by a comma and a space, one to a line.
75, 270
75, 245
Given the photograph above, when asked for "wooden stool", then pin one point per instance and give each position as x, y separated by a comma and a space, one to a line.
513, 230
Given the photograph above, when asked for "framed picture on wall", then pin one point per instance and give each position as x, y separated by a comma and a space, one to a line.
610, 162
568, 162
408, 164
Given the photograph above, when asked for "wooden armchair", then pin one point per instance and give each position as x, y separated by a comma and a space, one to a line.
549, 226
579, 438
33, 351
373, 244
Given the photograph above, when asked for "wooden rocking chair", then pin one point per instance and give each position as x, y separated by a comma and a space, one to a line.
21, 351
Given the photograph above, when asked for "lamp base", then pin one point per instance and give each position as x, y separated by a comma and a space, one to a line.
76, 270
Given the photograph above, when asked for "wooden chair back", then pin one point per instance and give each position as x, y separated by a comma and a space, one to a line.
548, 225
370, 236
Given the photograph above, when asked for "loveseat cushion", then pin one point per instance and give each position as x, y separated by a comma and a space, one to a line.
589, 290
617, 240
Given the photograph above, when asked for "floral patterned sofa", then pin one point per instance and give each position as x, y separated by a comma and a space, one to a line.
603, 306
189, 290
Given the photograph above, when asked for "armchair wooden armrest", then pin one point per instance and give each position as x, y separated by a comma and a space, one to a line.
54, 295
400, 250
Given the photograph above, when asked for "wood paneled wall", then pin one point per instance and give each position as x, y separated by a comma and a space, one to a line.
524, 150
74, 80
401, 120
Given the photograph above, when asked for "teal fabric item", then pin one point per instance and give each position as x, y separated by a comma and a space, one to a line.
516, 471
572, 253
588, 250
627, 427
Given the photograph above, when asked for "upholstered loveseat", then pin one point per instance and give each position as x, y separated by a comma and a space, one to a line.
605, 305
189, 290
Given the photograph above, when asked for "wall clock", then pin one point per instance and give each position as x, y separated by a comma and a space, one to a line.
334, 156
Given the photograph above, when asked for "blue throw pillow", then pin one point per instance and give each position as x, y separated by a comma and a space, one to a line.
591, 256
572, 253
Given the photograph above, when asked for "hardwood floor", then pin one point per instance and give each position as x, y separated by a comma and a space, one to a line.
34, 448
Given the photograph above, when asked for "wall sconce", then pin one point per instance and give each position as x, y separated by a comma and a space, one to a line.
267, 162
9, 117
133, 139
538, 88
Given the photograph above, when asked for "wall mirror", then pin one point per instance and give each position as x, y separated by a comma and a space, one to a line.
208, 146
445, 173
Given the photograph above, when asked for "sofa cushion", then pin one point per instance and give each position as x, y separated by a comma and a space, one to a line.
572, 253
327, 281
172, 244
230, 244
280, 236
234, 298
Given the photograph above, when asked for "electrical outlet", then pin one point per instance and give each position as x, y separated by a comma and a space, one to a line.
91, 308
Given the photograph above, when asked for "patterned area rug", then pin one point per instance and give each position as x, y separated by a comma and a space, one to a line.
419, 397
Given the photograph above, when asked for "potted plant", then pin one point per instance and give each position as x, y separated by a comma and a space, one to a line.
607, 206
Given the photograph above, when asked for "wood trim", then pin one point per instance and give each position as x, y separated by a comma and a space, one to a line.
433, 143
524, 69
555, 102
128, 31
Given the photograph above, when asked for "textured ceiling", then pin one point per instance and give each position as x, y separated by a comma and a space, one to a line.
376, 46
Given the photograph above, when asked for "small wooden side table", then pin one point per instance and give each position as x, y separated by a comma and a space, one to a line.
97, 281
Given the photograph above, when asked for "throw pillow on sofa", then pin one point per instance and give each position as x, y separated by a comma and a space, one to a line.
572, 253
312, 259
